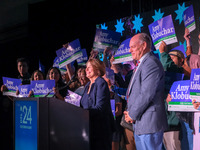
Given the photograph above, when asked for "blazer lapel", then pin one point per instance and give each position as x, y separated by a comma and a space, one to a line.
137, 72
131, 86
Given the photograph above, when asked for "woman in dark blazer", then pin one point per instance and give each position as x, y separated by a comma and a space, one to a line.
96, 98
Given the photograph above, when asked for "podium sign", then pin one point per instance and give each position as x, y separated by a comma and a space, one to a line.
25, 125
50, 124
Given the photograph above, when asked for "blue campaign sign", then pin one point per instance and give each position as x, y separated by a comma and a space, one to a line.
195, 81
26, 125
163, 30
106, 38
69, 54
41, 88
24, 90
56, 62
180, 91
123, 54
181, 98
195, 84
189, 20
12, 85
82, 60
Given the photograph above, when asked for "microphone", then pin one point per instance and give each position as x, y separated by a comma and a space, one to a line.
73, 79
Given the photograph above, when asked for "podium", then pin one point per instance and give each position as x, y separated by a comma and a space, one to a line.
49, 124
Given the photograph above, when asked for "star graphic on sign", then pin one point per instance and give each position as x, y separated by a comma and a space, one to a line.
119, 26
158, 15
103, 26
179, 12
184, 44
137, 23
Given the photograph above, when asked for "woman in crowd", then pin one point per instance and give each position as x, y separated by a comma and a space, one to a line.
96, 98
80, 79
60, 89
36, 75
83, 80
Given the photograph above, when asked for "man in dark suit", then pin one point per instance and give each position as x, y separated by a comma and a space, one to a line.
146, 96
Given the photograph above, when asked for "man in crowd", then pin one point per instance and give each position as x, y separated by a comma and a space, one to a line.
24, 76
145, 95
23, 66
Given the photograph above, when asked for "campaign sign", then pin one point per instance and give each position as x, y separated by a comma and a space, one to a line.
25, 125
195, 84
24, 90
163, 30
180, 48
73, 98
42, 88
56, 64
123, 54
106, 38
180, 97
112, 103
12, 86
189, 20
69, 54
170, 78
82, 60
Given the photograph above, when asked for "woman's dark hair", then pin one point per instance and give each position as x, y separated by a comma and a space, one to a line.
32, 76
80, 68
60, 81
